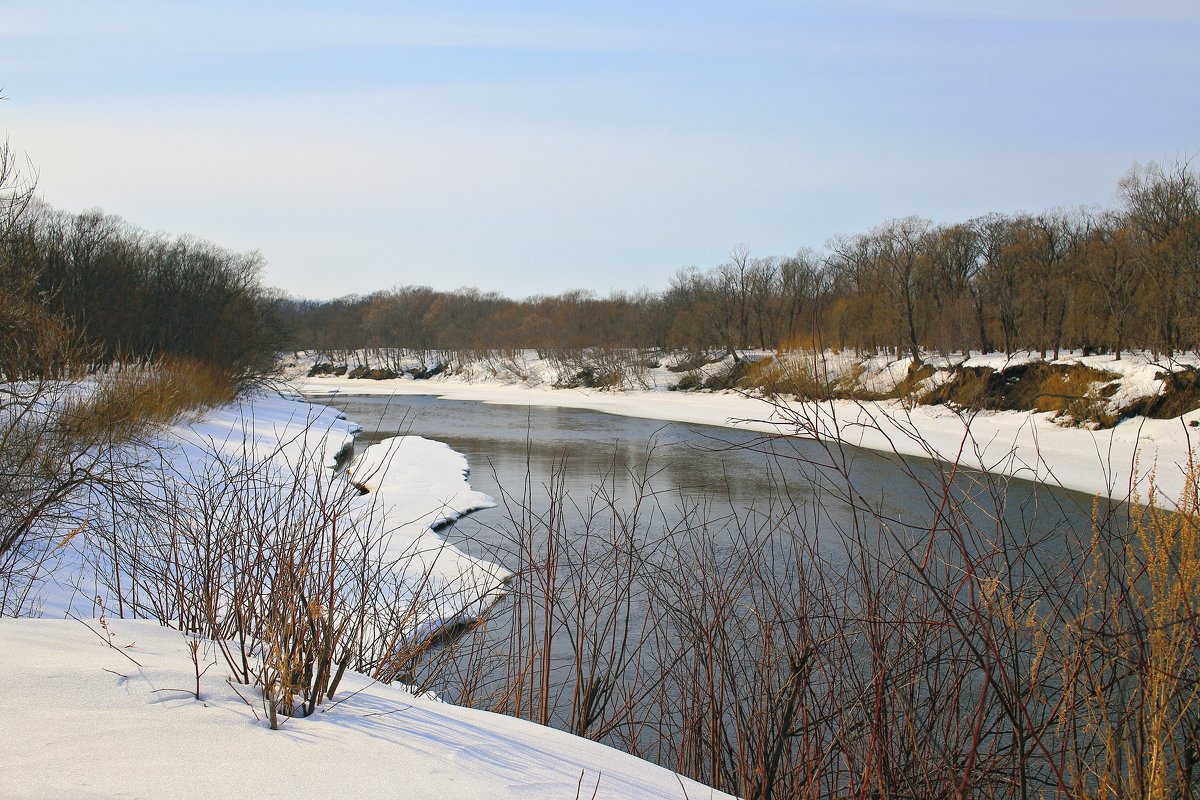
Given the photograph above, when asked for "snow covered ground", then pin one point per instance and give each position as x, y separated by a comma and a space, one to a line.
84, 719
1118, 462
99, 708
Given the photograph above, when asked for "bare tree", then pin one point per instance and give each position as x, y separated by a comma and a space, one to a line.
1163, 205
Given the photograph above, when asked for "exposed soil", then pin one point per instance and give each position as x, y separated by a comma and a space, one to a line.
1075, 392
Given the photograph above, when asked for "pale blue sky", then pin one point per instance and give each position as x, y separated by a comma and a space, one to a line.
540, 146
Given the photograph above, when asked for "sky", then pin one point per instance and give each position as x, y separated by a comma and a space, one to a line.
536, 147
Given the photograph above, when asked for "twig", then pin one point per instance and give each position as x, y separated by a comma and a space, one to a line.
244, 700
106, 641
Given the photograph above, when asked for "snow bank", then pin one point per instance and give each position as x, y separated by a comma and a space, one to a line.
414, 486
81, 719
107, 708
266, 426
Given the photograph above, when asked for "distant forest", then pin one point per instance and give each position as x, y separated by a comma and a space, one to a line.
1101, 280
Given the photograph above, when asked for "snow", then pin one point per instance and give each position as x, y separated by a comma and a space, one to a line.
1119, 462
105, 708
415, 485
83, 720
1001, 361
266, 428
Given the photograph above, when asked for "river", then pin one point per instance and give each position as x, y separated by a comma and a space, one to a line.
504, 444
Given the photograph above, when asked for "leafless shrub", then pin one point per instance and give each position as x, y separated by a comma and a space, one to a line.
827, 646
598, 367
283, 564
68, 449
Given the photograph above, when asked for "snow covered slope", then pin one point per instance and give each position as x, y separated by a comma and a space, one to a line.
83, 720
108, 709
414, 485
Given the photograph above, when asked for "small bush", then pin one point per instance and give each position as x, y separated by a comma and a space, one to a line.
691, 363
422, 372
734, 376
689, 381
326, 368
590, 378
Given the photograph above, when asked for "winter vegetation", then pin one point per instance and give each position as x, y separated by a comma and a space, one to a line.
149, 471
951, 652
246, 595
280, 600
955, 652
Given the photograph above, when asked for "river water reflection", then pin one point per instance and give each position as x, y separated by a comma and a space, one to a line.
734, 470
737, 478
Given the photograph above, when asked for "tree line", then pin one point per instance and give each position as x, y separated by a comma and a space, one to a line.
80, 291
1096, 279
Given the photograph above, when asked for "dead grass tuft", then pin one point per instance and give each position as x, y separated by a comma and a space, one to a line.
128, 401
1134, 669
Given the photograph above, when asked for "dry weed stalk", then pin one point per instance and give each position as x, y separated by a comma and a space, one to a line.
826, 647
281, 564
1135, 662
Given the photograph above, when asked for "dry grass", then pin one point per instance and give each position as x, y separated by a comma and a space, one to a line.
972, 664
62, 441
799, 375
130, 400
1135, 666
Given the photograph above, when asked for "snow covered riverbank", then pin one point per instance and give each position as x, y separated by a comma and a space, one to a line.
410, 485
85, 719
1117, 462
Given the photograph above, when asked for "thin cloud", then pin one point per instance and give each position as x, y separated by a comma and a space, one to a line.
1044, 10
243, 28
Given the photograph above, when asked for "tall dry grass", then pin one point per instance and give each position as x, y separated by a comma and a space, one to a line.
129, 400
1134, 663
64, 441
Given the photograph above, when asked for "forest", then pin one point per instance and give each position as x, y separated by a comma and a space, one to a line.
1092, 279
1095, 279
80, 291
